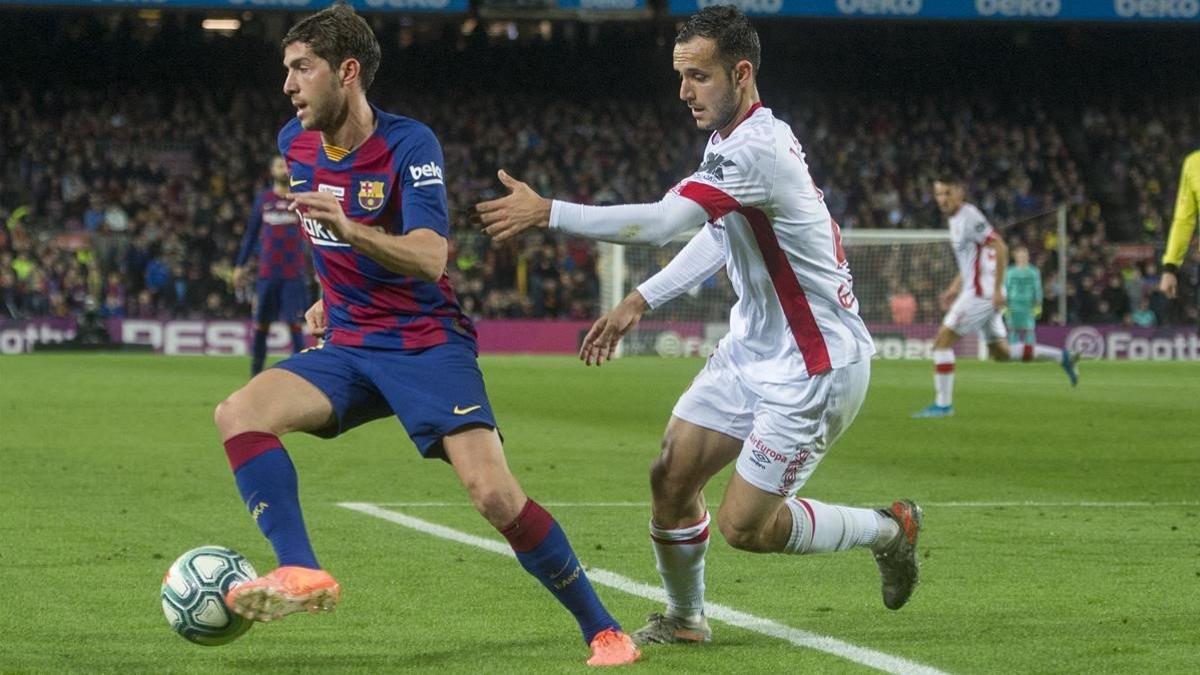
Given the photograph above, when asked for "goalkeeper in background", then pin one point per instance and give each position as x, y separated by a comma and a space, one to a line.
1023, 289
1187, 206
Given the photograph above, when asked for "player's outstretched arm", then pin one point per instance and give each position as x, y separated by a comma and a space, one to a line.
523, 209
601, 340
511, 215
699, 259
947, 296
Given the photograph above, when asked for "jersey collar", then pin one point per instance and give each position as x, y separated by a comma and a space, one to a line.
753, 109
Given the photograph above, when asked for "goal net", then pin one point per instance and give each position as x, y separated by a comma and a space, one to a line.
898, 276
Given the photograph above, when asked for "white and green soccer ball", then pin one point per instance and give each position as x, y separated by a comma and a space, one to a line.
193, 594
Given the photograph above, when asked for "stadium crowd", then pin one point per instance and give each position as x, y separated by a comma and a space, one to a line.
135, 204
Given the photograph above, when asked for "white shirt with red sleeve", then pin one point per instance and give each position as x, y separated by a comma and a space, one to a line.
783, 250
970, 234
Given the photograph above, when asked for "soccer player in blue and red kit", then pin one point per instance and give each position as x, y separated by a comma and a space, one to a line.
370, 190
281, 293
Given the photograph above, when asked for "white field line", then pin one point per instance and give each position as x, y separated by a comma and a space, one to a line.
948, 505
801, 638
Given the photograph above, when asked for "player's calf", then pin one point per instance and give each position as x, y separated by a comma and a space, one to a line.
749, 535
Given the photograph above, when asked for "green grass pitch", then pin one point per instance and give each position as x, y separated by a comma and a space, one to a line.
110, 467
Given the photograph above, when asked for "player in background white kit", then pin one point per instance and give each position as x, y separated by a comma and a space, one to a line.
976, 297
793, 371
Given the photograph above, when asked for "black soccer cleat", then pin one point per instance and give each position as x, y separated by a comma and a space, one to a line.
897, 562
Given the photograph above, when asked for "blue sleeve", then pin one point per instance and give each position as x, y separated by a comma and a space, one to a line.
287, 134
250, 239
422, 183
1037, 286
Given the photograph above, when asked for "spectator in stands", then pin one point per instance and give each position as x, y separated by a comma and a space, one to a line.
158, 176
904, 306
1143, 317
1116, 299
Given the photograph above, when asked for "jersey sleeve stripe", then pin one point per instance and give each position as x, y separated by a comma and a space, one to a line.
795, 305
975, 275
714, 201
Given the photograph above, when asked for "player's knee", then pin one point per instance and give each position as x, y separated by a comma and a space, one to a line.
498, 505
224, 416
233, 415
742, 534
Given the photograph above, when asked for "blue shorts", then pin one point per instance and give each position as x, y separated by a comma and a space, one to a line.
283, 300
433, 391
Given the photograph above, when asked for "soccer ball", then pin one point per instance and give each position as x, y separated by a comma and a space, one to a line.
193, 594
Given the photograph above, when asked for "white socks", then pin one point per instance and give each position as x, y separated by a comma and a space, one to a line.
943, 367
819, 527
680, 554
943, 376
1034, 353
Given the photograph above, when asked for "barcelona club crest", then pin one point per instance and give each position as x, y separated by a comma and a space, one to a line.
370, 194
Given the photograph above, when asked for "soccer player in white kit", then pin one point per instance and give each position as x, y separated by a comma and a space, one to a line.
976, 297
792, 373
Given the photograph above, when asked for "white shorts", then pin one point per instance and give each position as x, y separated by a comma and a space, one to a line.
971, 313
786, 428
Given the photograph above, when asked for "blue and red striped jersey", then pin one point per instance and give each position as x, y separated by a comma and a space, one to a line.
279, 245
393, 181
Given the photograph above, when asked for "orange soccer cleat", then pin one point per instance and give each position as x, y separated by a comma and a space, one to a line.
286, 590
611, 647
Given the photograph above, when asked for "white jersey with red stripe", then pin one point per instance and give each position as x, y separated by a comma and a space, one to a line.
970, 233
783, 252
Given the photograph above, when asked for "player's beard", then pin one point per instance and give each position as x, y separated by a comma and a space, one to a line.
724, 112
332, 112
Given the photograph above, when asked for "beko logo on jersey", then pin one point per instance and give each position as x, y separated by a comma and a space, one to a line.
426, 174
1018, 7
1157, 9
881, 7
318, 235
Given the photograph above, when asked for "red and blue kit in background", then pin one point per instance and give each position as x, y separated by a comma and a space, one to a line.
274, 234
394, 344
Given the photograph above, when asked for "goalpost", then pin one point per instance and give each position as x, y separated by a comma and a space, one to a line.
898, 275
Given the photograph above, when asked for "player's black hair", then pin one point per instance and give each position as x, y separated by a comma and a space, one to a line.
950, 176
726, 25
338, 33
